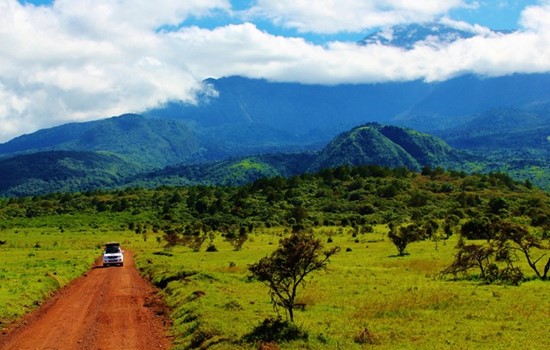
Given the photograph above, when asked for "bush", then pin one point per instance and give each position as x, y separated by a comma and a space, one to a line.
365, 337
211, 248
202, 336
275, 330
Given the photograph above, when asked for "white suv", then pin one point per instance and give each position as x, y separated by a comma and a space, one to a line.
113, 255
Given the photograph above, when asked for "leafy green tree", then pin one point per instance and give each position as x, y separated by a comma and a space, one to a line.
402, 236
195, 235
286, 269
236, 239
477, 228
498, 205
449, 224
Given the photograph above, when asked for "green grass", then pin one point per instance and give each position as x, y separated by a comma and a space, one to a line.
34, 262
398, 299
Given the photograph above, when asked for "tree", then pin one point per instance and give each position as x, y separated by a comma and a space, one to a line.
470, 256
449, 224
402, 236
525, 242
507, 238
287, 267
236, 239
477, 228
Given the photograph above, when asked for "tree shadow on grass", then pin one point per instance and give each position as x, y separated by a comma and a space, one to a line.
398, 255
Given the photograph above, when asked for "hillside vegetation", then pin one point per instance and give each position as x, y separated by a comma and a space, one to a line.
344, 195
389, 146
143, 143
493, 124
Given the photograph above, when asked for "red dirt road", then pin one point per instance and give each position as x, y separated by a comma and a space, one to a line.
108, 308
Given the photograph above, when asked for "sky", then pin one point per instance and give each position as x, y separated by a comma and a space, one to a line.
77, 60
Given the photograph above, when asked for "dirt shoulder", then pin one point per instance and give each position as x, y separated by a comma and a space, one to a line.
108, 308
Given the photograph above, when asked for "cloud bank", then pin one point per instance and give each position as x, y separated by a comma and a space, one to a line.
76, 61
332, 16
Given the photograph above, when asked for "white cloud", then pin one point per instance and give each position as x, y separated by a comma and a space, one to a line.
99, 58
537, 18
87, 59
333, 16
246, 50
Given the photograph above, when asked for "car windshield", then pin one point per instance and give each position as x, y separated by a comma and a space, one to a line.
111, 250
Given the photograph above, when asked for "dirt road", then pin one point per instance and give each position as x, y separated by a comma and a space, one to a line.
108, 308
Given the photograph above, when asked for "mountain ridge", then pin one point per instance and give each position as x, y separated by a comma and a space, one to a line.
127, 135
41, 172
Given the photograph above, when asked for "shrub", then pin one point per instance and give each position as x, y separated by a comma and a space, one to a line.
275, 330
211, 248
365, 337
201, 336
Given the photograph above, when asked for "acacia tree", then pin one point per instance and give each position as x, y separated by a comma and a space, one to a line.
471, 256
507, 238
287, 267
525, 242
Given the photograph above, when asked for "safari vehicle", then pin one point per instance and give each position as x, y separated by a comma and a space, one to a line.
113, 255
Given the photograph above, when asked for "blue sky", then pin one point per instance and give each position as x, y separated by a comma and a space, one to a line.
77, 60
495, 14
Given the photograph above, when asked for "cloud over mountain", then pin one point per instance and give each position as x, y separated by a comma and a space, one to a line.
332, 16
95, 58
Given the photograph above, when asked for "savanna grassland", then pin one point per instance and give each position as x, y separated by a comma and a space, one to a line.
368, 296
197, 243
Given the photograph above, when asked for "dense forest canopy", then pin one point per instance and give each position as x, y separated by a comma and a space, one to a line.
346, 196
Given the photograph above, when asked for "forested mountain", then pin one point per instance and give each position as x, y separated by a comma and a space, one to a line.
371, 144
61, 171
389, 146
236, 171
503, 129
504, 120
297, 114
145, 143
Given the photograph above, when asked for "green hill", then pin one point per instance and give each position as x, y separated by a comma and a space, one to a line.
148, 143
389, 146
514, 141
237, 171
61, 171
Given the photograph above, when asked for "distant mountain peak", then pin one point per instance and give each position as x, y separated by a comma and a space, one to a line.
407, 36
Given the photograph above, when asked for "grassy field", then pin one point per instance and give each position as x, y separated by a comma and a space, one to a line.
368, 297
